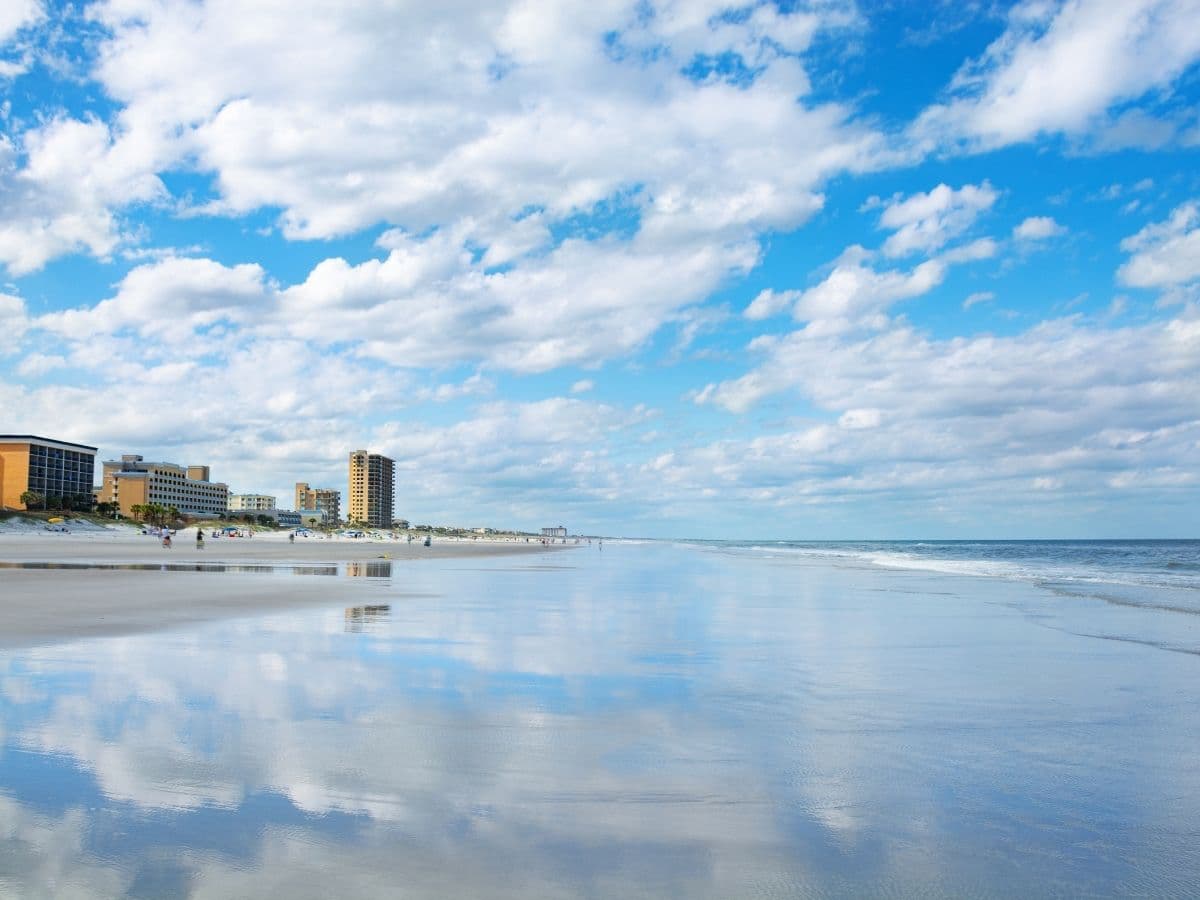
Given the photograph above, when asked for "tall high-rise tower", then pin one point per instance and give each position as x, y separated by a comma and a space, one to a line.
372, 485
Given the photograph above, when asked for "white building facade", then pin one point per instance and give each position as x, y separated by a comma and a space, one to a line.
251, 502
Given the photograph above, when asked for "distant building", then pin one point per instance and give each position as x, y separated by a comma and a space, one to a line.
327, 500
288, 518
44, 466
251, 503
558, 531
132, 481
312, 517
372, 486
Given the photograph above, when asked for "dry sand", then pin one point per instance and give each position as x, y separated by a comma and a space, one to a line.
51, 605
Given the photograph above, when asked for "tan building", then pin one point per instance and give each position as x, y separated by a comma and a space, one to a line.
251, 502
327, 500
372, 485
47, 467
132, 481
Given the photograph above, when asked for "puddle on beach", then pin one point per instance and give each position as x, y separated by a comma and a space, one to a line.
382, 569
649, 722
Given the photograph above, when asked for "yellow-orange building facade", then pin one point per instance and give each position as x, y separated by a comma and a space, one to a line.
372, 487
131, 481
326, 500
47, 467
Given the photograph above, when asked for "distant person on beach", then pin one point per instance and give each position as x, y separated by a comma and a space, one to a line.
199, 538
166, 539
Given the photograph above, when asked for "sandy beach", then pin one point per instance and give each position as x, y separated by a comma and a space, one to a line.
653, 720
51, 605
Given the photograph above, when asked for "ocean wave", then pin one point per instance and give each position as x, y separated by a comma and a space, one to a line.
1153, 564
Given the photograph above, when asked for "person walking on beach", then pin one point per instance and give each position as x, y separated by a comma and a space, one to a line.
199, 538
166, 539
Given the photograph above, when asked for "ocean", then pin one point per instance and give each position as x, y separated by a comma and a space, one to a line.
654, 719
1149, 563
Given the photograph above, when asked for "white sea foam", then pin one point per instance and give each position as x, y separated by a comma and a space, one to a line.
1136, 564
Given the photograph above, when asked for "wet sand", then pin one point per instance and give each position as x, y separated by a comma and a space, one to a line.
656, 720
52, 605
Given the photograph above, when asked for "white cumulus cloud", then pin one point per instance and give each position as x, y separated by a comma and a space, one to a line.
1037, 228
1062, 68
925, 222
1065, 405
169, 301
558, 184
16, 14
59, 186
1165, 254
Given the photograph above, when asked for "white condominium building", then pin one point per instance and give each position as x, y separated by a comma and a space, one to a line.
251, 502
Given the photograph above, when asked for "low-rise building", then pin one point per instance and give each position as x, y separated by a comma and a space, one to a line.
251, 502
288, 518
328, 500
132, 481
558, 531
297, 518
313, 518
47, 467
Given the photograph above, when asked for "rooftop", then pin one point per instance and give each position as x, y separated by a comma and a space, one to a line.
33, 438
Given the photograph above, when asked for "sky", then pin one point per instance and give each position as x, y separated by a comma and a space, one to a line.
773, 270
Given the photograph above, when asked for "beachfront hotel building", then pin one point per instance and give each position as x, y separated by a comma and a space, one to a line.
327, 500
44, 466
372, 485
132, 481
251, 502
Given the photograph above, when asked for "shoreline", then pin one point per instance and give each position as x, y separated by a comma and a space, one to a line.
59, 605
101, 545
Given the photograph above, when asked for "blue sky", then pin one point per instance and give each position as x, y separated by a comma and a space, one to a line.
795, 270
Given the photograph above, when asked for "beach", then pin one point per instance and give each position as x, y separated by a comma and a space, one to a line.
648, 720
117, 581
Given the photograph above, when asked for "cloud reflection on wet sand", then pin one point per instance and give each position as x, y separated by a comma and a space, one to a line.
664, 721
